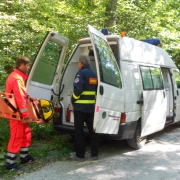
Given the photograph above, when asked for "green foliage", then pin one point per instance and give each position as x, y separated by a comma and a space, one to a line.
152, 18
43, 131
4, 134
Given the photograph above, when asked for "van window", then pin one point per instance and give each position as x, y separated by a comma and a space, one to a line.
108, 68
177, 78
152, 78
47, 64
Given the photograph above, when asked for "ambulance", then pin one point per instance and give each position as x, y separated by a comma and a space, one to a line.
138, 84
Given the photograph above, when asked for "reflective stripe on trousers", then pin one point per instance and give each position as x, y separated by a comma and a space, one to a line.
24, 152
11, 158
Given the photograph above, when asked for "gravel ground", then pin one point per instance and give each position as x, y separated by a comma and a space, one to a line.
159, 159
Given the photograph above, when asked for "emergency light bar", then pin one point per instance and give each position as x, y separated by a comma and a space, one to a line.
153, 41
104, 31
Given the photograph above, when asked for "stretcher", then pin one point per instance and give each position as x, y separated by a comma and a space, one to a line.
40, 111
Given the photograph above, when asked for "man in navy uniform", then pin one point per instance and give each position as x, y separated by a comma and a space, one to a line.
83, 100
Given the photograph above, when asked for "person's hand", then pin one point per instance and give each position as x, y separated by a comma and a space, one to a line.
25, 116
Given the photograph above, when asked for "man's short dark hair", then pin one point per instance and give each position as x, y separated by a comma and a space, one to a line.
21, 60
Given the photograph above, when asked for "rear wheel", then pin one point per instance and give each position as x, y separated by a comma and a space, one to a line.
137, 142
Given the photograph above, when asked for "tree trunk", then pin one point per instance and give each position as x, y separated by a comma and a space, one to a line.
110, 13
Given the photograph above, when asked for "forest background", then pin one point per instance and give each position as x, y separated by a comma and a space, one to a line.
24, 23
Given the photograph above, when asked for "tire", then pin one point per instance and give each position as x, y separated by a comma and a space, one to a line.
137, 142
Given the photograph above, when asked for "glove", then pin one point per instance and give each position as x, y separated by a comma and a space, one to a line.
25, 115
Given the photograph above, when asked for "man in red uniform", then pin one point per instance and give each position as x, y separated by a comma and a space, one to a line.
20, 133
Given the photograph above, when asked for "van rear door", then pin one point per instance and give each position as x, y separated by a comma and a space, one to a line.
43, 81
109, 100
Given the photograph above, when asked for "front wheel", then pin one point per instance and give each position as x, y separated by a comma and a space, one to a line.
137, 142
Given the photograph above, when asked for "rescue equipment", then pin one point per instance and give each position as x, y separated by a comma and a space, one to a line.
47, 109
40, 111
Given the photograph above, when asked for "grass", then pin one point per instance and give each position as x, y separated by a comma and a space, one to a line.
47, 146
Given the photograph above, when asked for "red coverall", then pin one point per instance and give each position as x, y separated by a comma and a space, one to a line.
20, 133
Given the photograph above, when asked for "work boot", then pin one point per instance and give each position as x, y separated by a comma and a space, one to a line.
11, 164
27, 159
94, 158
14, 168
11, 159
74, 157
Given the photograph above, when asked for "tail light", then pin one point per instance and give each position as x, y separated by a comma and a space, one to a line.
57, 113
123, 118
68, 117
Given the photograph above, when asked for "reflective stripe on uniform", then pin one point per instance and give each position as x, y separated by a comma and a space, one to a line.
24, 152
24, 149
23, 110
75, 97
88, 93
85, 101
11, 161
11, 158
11, 155
84, 93
23, 155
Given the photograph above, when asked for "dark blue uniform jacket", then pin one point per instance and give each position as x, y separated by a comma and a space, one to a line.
81, 84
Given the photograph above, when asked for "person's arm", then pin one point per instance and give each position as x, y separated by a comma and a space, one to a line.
78, 86
19, 91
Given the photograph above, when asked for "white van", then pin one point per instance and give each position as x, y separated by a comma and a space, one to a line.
138, 84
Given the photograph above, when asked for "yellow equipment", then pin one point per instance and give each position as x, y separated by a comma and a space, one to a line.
47, 109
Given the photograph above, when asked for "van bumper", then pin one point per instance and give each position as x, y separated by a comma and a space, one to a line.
126, 131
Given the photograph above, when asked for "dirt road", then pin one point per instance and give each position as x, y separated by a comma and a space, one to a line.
159, 159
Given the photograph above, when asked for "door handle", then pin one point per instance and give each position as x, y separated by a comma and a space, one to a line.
177, 93
101, 90
164, 94
140, 102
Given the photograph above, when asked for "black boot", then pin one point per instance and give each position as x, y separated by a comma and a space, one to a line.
11, 164
24, 156
26, 159
11, 159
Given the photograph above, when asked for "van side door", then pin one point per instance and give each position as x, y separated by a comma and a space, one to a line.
109, 99
45, 73
176, 75
154, 100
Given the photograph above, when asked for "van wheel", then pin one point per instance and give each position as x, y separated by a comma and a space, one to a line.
137, 142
